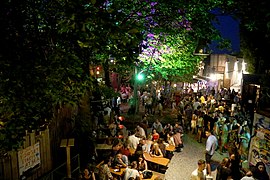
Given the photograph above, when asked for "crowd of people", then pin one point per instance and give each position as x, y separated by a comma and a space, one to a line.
217, 117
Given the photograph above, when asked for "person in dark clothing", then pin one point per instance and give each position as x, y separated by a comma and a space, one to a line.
235, 165
206, 119
223, 170
260, 172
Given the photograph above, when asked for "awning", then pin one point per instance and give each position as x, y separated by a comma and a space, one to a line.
200, 78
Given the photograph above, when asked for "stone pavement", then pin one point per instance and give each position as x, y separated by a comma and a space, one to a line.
184, 163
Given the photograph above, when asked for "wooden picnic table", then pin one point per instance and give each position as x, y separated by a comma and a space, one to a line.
115, 171
157, 160
170, 148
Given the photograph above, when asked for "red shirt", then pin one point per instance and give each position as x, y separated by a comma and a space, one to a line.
125, 151
155, 136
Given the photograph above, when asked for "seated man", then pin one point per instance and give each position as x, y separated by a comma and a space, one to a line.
120, 160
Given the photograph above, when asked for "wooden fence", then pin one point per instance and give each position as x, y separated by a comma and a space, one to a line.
9, 164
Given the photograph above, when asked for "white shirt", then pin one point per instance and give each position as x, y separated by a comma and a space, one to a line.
118, 100
211, 144
195, 175
133, 141
141, 131
131, 173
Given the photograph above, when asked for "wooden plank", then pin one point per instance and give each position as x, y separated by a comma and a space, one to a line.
44, 164
158, 160
48, 151
14, 164
26, 142
32, 138
42, 160
7, 169
39, 172
170, 148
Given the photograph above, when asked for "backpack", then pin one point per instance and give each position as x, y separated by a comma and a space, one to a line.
147, 174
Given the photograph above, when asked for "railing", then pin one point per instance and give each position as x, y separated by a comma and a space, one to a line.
59, 173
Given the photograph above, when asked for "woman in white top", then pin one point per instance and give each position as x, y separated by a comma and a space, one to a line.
170, 138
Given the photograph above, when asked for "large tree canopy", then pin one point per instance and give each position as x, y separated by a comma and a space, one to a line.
48, 46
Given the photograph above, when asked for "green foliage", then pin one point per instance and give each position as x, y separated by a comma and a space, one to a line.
172, 57
108, 92
49, 46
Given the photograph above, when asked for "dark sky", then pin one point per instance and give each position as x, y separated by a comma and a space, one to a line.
229, 29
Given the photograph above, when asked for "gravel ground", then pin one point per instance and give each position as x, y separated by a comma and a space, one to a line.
184, 163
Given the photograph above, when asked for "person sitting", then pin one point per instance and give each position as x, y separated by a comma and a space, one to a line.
141, 148
162, 146
156, 151
142, 164
104, 171
155, 135
170, 139
167, 129
120, 160
133, 140
125, 149
140, 132
131, 172
87, 175
116, 147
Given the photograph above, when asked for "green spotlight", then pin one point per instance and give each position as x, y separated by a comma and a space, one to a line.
140, 77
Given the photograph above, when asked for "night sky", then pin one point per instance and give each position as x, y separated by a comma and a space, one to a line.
229, 29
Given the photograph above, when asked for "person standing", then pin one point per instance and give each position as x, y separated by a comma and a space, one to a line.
223, 170
260, 172
211, 145
200, 172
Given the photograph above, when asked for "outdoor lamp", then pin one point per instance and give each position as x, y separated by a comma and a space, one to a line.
121, 118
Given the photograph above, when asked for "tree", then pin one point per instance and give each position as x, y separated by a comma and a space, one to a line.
49, 46
254, 32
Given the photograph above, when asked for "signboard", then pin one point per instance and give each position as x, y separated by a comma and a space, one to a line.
28, 158
260, 143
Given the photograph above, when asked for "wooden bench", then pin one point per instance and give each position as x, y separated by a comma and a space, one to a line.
155, 176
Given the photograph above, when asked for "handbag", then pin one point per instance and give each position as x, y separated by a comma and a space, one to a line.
147, 174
